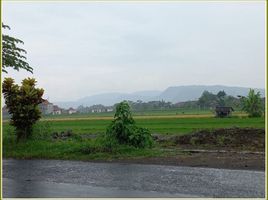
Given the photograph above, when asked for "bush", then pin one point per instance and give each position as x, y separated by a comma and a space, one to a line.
22, 103
124, 130
252, 104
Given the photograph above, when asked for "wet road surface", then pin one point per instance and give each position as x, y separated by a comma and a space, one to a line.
55, 178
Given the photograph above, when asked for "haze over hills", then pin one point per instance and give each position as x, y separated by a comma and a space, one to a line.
173, 94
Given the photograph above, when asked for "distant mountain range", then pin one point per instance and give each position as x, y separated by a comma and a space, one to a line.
173, 94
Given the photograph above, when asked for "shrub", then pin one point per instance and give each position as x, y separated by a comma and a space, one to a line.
22, 103
124, 130
252, 104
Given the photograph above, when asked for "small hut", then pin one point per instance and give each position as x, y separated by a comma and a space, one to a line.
223, 111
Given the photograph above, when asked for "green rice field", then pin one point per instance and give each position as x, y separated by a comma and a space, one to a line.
163, 125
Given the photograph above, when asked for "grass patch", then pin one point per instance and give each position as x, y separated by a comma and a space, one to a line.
73, 150
76, 147
44, 146
155, 125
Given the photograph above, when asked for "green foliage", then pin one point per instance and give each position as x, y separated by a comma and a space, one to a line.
22, 103
101, 144
233, 102
150, 105
74, 150
207, 100
12, 55
42, 130
140, 137
123, 113
221, 98
221, 94
210, 100
252, 104
124, 130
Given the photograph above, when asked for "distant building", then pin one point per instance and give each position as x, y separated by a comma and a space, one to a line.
223, 111
46, 107
71, 111
109, 109
97, 108
56, 110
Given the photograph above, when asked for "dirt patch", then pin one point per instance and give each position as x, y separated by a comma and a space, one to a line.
225, 138
212, 160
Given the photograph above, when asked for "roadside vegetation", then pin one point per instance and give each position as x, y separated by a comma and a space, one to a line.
124, 130
252, 104
23, 102
86, 139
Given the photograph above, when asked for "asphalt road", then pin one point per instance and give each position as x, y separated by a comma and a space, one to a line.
54, 178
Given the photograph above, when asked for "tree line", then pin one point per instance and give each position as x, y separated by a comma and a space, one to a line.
207, 101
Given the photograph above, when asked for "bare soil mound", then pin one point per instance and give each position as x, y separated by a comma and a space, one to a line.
238, 138
211, 160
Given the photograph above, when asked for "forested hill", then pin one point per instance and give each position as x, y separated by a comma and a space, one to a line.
172, 94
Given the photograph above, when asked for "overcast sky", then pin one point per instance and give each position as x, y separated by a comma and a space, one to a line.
79, 49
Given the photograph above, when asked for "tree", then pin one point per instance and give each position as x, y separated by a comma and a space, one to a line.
22, 103
252, 104
221, 98
207, 100
124, 130
12, 55
221, 94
